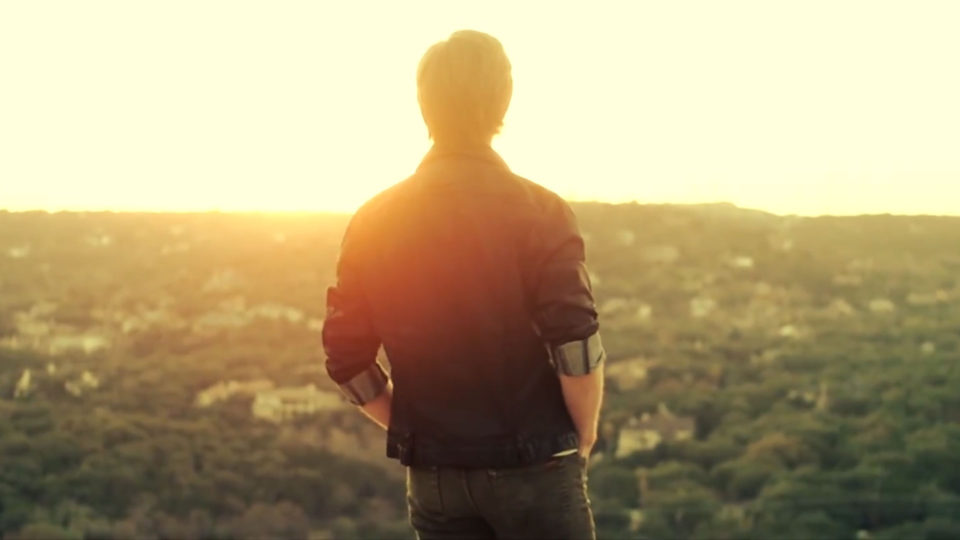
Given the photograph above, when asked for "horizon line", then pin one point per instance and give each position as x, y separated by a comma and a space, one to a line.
256, 211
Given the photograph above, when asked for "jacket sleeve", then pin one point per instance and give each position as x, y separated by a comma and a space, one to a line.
349, 339
564, 310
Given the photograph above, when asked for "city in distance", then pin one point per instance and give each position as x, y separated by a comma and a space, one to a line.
769, 376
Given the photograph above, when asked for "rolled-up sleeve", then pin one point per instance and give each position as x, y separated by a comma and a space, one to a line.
349, 338
564, 310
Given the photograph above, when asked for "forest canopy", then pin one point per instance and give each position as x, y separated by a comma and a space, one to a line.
161, 376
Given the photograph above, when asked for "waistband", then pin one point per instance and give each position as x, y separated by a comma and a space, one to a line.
500, 452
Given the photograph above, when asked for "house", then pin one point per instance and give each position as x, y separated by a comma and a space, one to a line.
762, 288
234, 313
277, 312
99, 240
663, 254
626, 237
176, 247
701, 306
652, 429
88, 343
31, 323
819, 400
927, 299
623, 311
283, 404
148, 318
18, 252
839, 308
847, 280
765, 358
627, 375
224, 280
223, 390
29, 327
24, 385
791, 331
614, 305
215, 320
882, 305
742, 262
87, 381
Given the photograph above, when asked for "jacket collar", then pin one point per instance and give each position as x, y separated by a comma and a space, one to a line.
481, 153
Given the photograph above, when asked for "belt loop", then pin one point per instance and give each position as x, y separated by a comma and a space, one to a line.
406, 448
526, 450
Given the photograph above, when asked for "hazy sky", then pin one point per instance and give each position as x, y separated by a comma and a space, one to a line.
794, 107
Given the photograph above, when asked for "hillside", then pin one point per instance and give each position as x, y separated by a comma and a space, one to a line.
769, 376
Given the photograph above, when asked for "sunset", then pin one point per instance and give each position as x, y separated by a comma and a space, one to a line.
424, 270
813, 108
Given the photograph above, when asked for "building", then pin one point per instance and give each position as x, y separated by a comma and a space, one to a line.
223, 390
742, 262
928, 298
652, 429
626, 237
19, 252
283, 404
24, 385
882, 305
277, 312
87, 381
88, 343
839, 308
627, 375
662, 254
702, 306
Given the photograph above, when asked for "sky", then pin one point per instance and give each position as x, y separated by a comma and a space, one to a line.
815, 107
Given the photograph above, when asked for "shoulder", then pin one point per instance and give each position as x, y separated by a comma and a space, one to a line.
368, 213
550, 208
544, 200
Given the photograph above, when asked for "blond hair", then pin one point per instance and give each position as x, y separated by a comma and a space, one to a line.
464, 85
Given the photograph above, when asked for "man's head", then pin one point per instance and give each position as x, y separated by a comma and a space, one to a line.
464, 86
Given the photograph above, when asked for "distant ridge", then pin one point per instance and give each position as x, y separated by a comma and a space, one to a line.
719, 209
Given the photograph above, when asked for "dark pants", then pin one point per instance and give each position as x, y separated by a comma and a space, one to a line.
544, 501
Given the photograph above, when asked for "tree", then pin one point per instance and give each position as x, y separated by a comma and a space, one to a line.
615, 483
281, 520
45, 531
683, 508
742, 479
790, 451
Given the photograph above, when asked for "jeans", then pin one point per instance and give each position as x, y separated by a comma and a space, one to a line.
543, 501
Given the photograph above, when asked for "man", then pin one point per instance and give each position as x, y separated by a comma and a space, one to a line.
473, 280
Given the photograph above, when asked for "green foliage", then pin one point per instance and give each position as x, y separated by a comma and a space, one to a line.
815, 416
743, 479
616, 485
679, 511
930, 529
45, 531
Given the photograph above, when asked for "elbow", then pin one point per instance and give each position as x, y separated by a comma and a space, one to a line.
580, 357
363, 387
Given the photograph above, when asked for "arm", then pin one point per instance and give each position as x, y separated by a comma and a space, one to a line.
378, 410
584, 395
349, 339
567, 319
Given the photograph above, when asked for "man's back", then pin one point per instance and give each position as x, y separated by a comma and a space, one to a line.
474, 282
450, 261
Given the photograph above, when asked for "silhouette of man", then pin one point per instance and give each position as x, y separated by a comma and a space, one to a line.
473, 280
